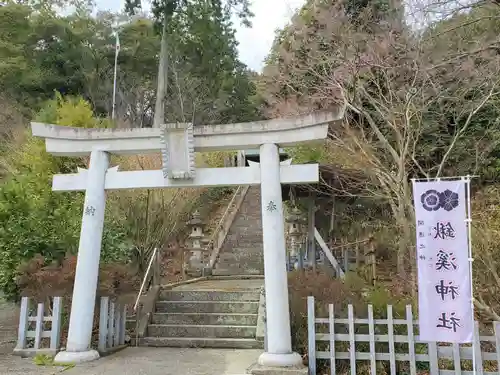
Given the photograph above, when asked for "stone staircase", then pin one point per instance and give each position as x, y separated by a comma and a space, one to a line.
205, 318
242, 251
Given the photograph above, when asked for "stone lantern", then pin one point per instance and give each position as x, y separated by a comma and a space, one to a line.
196, 241
295, 221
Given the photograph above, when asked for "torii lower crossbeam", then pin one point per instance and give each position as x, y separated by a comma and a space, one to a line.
153, 179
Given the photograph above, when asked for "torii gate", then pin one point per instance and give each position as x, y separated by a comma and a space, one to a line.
177, 143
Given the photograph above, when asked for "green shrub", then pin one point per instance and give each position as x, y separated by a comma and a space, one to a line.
37, 221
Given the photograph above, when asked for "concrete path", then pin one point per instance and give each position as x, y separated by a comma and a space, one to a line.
171, 361
147, 361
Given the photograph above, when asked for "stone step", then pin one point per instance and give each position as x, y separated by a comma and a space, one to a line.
205, 319
244, 244
130, 324
243, 261
240, 255
253, 191
252, 202
248, 234
206, 331
207, 307
245, 234
252, 219
249, 220
198, 342
206, 295
252, 225
249, 227
231, 271
238, 252
229, 264
247, 266
241, 246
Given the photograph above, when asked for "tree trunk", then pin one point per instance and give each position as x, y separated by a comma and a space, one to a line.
161, 92
403, 242
406, 251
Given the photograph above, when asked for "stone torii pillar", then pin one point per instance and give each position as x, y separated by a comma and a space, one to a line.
87, 268
279, 342
177, 143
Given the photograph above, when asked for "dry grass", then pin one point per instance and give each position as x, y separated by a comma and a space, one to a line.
325, 290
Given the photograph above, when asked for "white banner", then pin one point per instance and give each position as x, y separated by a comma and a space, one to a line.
444, 290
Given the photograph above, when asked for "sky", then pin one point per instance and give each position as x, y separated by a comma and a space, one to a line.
254, 42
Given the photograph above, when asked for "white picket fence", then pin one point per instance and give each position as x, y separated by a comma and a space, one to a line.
359, 344
112, 325
34, 328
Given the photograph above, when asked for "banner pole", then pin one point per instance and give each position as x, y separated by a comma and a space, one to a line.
428, 179
467, 181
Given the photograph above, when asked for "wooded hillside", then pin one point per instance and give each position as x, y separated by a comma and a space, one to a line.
57, 67
420, 103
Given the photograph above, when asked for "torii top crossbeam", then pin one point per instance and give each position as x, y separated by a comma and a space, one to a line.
286, 132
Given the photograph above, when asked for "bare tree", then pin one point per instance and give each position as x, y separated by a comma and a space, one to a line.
414, 104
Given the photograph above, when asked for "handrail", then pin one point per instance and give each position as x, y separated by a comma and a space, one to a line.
219, 225
146, 275
329, 255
